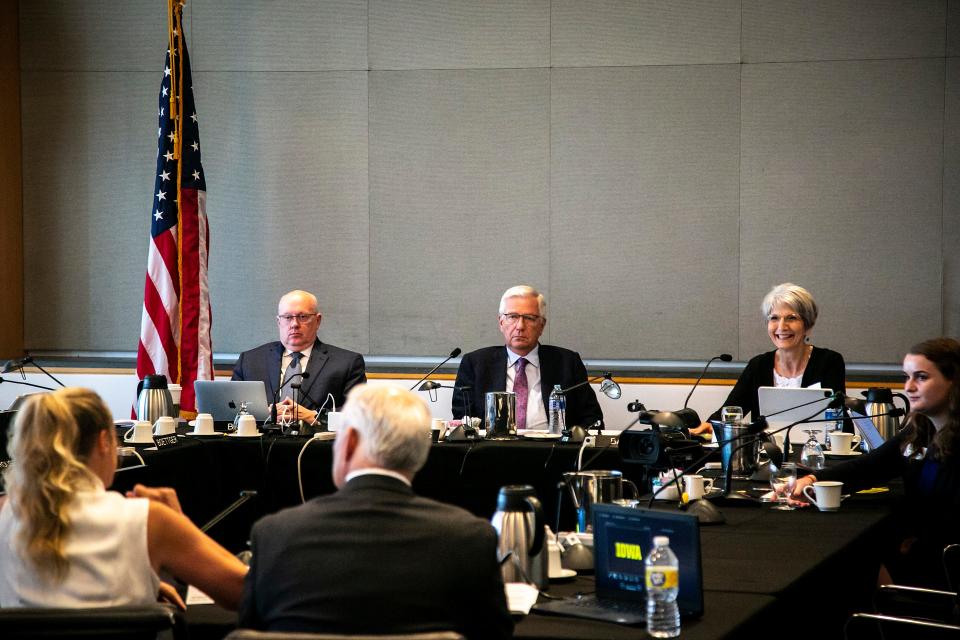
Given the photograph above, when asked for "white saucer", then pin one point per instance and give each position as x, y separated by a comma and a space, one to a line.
841, 454
150, 441
237, 435
205, 435
539, 435
565, 574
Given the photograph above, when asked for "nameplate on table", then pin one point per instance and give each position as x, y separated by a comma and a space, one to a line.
164, 442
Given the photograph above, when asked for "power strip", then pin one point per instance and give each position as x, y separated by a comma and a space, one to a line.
325, 435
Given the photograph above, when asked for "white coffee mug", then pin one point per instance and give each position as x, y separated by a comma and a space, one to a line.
827, 494
696, 486
842, 442
554, 550
247, 426
203, 426
164, 426
140, 433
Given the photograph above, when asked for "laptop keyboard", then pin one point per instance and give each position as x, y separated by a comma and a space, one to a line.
609, 604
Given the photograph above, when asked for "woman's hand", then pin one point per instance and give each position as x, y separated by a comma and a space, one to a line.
705, 430
797, 498
163, 495
169, 595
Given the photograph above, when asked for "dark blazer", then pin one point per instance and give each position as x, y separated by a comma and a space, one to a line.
825, 366
485, 370
375, 558
332, 370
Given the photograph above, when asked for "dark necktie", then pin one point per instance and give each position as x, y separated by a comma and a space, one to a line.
292, 369
523, 392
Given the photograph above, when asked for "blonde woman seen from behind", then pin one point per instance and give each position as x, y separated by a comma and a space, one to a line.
65, 541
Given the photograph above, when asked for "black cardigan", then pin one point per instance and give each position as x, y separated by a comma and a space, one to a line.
825, 366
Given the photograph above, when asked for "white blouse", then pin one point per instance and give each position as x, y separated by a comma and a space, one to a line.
106, 551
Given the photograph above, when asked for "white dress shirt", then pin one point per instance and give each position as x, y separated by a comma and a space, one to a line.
536, 412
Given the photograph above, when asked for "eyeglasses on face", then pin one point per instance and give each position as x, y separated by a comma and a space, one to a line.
514, 318
302, 318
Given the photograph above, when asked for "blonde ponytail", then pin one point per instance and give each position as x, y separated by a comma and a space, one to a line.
52, 437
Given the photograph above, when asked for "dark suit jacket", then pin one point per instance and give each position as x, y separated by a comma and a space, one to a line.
375, 558
485, 370
332, 370
825, 366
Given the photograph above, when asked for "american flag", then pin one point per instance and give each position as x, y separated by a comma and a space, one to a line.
175, 326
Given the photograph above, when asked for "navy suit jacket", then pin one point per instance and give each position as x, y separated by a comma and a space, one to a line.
485, 370
375, 558
332, 370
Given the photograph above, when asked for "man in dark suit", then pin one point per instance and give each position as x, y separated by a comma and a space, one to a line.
324, 369
374, 558
526, 367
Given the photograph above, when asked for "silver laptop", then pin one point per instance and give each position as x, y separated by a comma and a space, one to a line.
222, 398
783, 406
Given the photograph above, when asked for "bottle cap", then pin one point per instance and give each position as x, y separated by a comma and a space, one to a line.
661, 541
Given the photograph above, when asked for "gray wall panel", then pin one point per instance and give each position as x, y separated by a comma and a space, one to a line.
785, 30
94, 35
89, 156
459, 164
287, 35
840, 192
644, 200
953, 27
285, 157
951, 202
632, 32
459, 34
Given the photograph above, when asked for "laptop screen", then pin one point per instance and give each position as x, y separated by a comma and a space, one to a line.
222, 398
622, 538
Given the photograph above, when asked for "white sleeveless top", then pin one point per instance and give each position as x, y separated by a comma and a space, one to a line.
106, 550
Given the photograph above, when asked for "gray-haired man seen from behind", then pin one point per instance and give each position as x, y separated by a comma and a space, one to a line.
375, 558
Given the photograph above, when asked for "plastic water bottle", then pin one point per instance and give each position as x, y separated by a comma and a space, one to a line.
557, 412
833, 423
663, 584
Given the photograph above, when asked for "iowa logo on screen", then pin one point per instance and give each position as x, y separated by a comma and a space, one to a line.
627, 551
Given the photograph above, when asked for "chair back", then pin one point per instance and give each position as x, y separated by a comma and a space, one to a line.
861, 626
109, 623
951, 566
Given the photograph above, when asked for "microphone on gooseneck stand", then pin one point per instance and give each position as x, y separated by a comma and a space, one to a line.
453, 354
15, 365
305, 375
726, 357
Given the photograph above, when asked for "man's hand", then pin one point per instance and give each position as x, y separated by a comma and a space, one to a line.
288, 409
163, 495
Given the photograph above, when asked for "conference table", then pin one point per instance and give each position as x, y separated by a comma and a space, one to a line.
781, 574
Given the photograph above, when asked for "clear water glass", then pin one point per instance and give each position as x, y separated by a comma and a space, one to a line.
812, 455
782, 481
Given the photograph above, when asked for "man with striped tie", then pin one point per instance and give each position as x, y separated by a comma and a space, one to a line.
526, 367
322, 370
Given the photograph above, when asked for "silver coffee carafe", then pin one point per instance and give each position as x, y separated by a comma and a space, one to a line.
880, 401
520, 531
154, 399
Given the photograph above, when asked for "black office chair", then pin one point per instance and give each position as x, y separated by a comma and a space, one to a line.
862, 626
250, 634
110, 623
951, 565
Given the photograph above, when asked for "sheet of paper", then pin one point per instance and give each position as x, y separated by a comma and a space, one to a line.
520, 597
195, 596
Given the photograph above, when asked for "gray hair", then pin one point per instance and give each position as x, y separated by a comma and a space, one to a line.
524, 291
394, 426
795, 297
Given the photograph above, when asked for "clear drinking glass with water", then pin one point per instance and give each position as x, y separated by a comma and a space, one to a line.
782, 481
